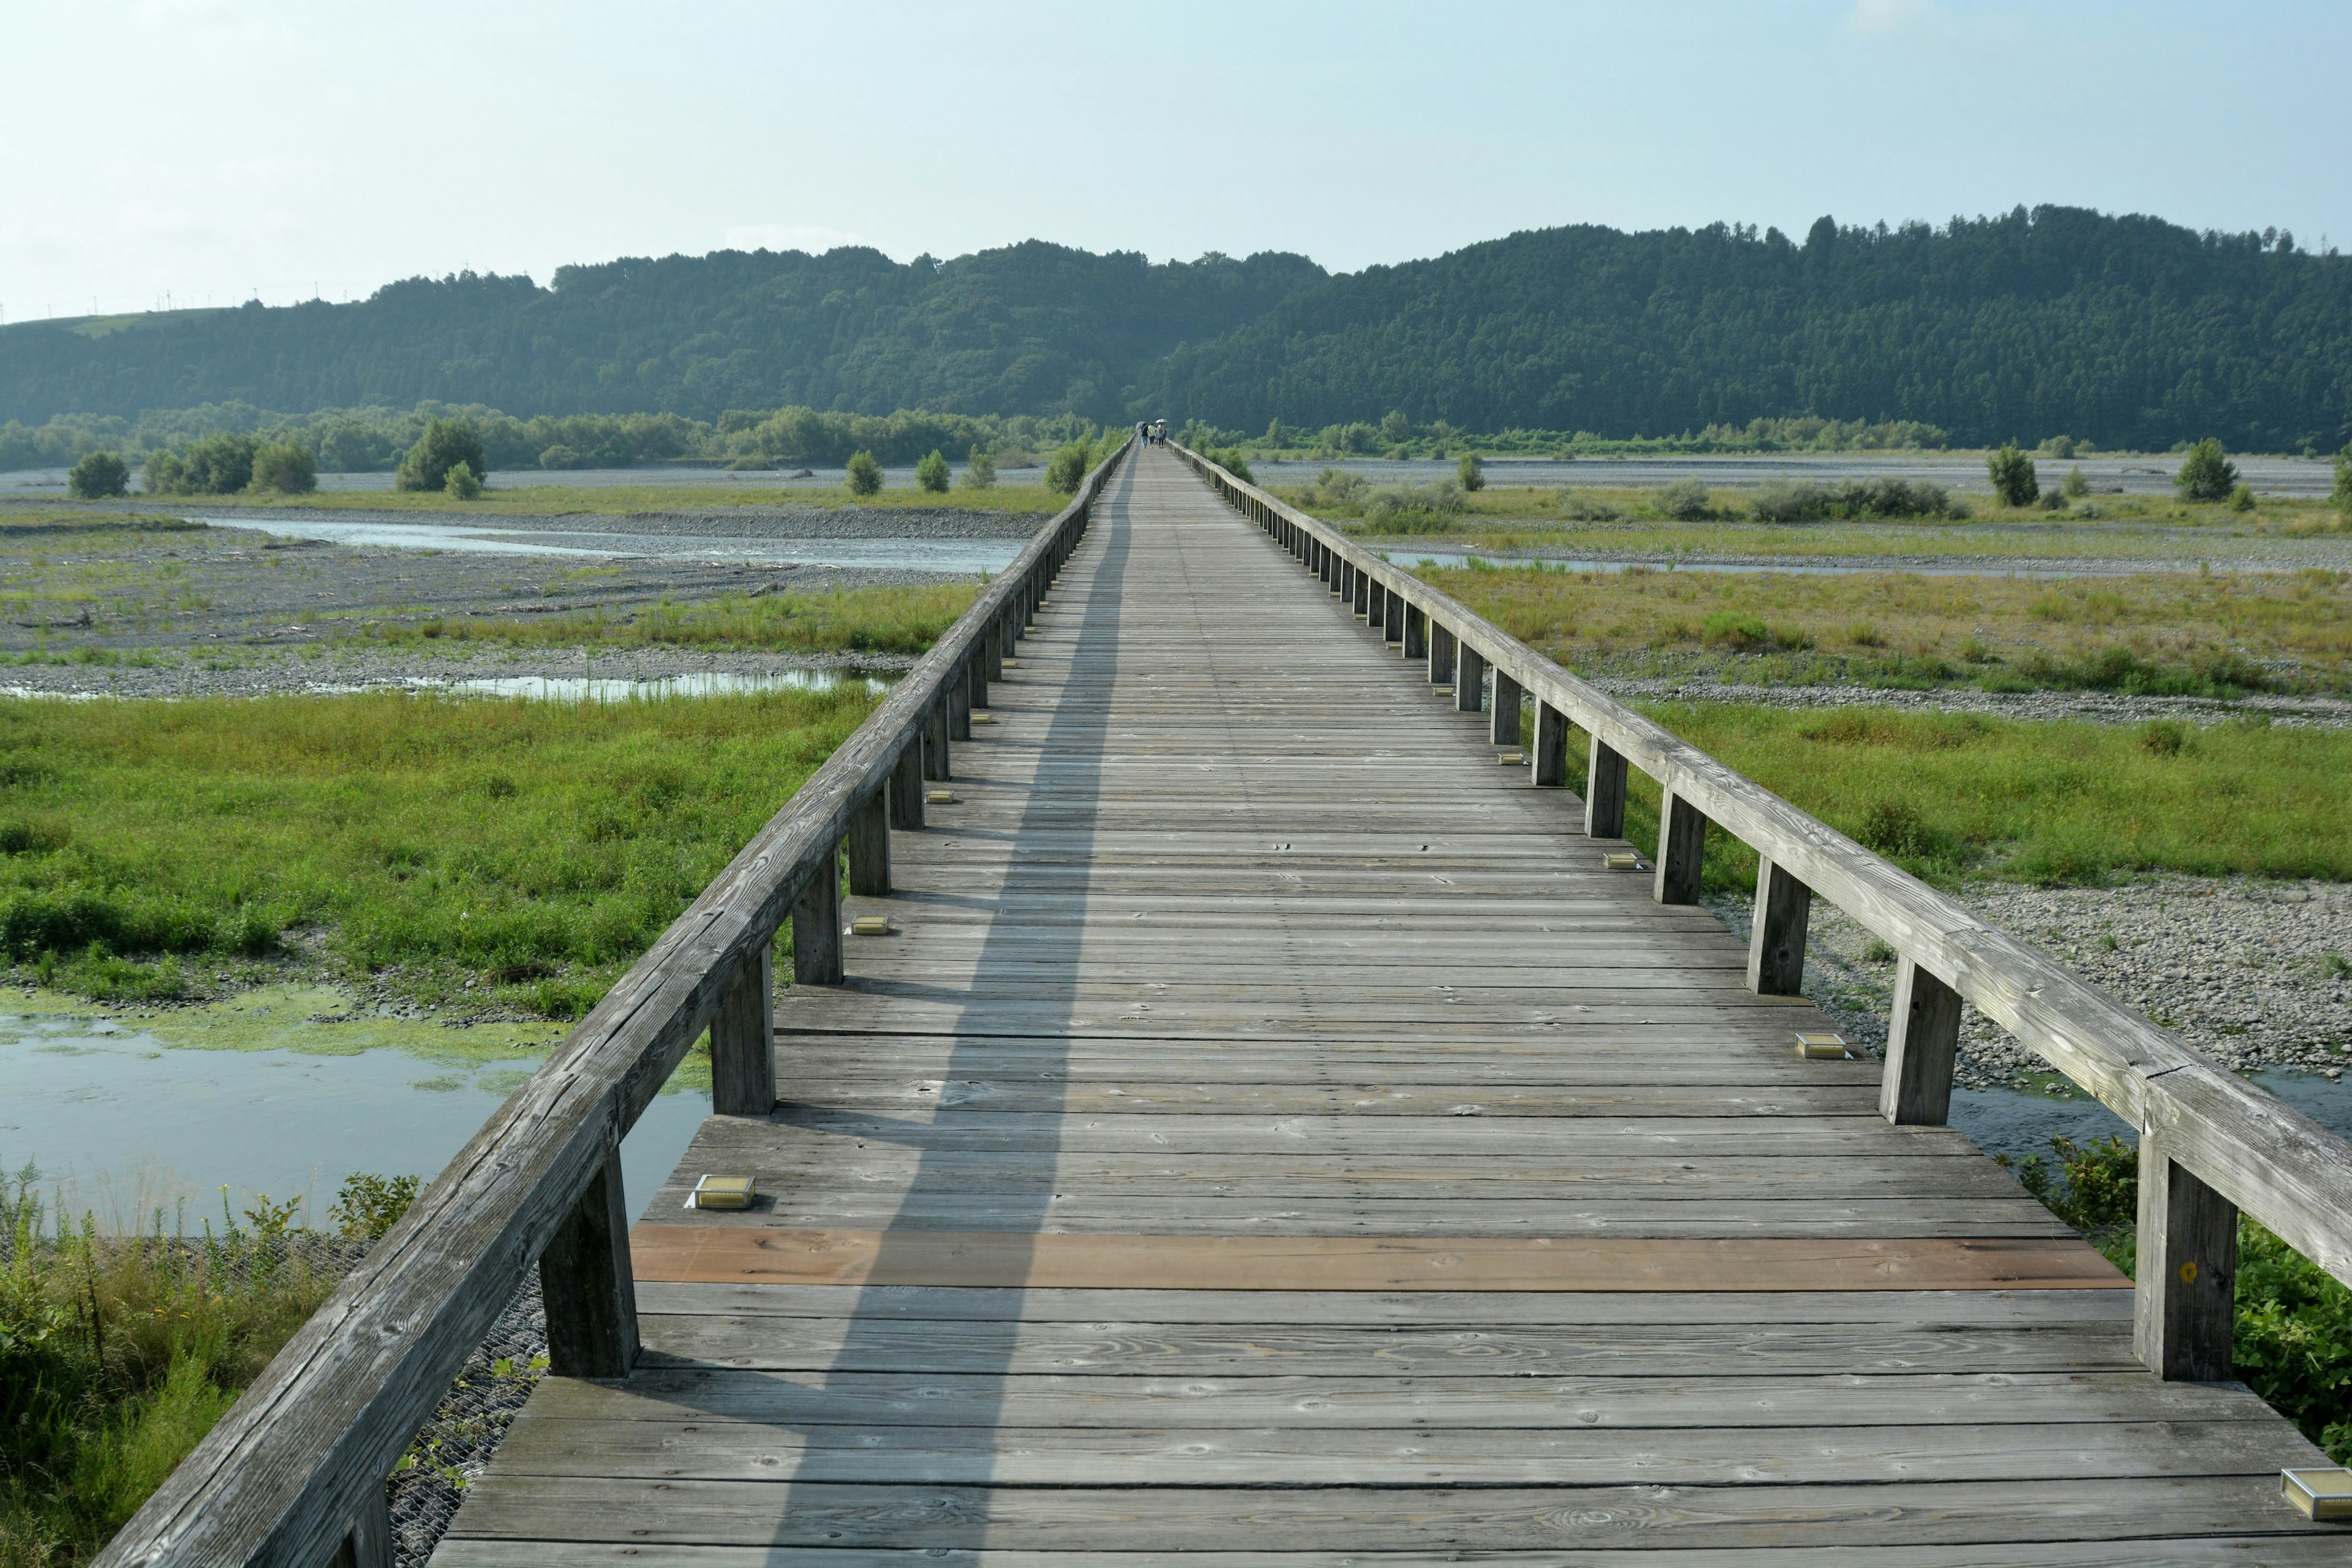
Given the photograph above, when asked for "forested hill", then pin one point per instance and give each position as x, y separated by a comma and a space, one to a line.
2126, 331
1030, 329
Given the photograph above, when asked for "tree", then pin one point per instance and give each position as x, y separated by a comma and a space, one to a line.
931, 473
286, 466
2242, 499
864, 474
2205, 474
1395, 429
2014, 482
1471, 472
2077, 487
219, 465
2343, 496
1068, 468
459, 483
97, 476
445, 443
979, 470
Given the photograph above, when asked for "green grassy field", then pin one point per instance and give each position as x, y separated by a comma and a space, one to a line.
1949, 796
903, 620
508, 854
2212, 634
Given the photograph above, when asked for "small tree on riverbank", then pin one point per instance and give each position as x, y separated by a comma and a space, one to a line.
1471, 472
865, 475
445, 443
931, 473
2206, 474
97, 476
2013, 479
979, 470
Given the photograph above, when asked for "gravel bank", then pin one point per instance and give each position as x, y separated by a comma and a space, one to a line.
2256, 974
710, 523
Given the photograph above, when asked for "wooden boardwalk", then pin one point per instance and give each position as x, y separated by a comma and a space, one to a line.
1269, 1135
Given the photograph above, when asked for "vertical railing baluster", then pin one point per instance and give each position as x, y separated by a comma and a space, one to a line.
1923, 1041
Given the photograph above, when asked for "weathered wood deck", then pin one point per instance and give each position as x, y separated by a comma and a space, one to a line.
1269, 1136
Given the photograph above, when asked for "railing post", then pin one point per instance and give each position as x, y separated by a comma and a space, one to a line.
1604, 792
869, 847
2184, 1300
368, 1544
990, 663
906, 788
960, 704
584, 1278
1343, 582
1392, 624
1375, 606
1469, 680
1776, 946
816, 926
1441, 655
936, 761
1416, 633
1923, 1040
1551, 747
1506, 730
1363, 595
1681, 850
743, 1040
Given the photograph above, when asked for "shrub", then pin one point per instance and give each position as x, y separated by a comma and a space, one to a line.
369, 1204
2077, 487
2013, 479
2164, 737
1685, 500
1583, 506
284, 467
2342, 496
1233, 463
97, 476
1335, 486
979, 470
1068, 470
1896, 828
865, 476
459, 483
2058, 446
445, 443
2053, 501
2241, 497
931, 473
1400, 503
1471, 473
2206, 474
562, 457
1782, 500
219, 465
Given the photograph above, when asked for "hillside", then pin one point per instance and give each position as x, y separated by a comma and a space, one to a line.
1030, 329
2126, 331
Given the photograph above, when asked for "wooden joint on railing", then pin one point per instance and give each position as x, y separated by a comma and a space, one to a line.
585, 1279
816, 926
2185, 1288
1604, 792
744, 1039
1681, 850
1775, 943
1923, 1042
1504, 731
869, 847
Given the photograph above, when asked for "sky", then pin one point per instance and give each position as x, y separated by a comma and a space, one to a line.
208, 152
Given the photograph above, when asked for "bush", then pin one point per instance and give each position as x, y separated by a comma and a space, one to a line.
2076, 486
979, 470
1068, 470
97, 476
219, 465
2241, 497
287, 468
2343, 493
865, 476
1780, 501
1233, 463
1399, 503
2013, 479
445, 443
931, 473
2206, 474
369, 1206
2164, 737
1583, 506
562, 457
1685, 500
1470, 474
459, 483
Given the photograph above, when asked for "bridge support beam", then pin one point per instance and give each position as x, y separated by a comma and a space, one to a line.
1506, 730
1551, 747
368, 1544
1376, 605
906, 787
1604, 792
1776, 946
2185, 1299
816, 926
1441, 656
584, 1277
1469, 680
936, 765
1392, 624
1681, 850
959, 705
1363, 596
743, 1041
1923, 1040
1416, 633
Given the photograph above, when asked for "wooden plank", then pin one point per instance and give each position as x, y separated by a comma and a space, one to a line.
2207, 1552
1358, 1263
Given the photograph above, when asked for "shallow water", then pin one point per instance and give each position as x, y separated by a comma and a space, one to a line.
126, 1122
699, 683
2017, 1122
963, 556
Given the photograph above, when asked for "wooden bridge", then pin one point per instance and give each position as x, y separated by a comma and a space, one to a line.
1269, 1133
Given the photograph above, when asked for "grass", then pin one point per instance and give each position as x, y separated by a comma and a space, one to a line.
153, 850
119, 1354
2294, 1329
2206, 634
1954, 795
1620, 523
900, 619
617, 500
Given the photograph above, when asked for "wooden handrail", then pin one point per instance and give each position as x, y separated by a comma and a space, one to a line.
294, 1474
2210, 1143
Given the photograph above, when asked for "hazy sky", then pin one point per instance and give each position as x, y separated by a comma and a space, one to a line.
215, 151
